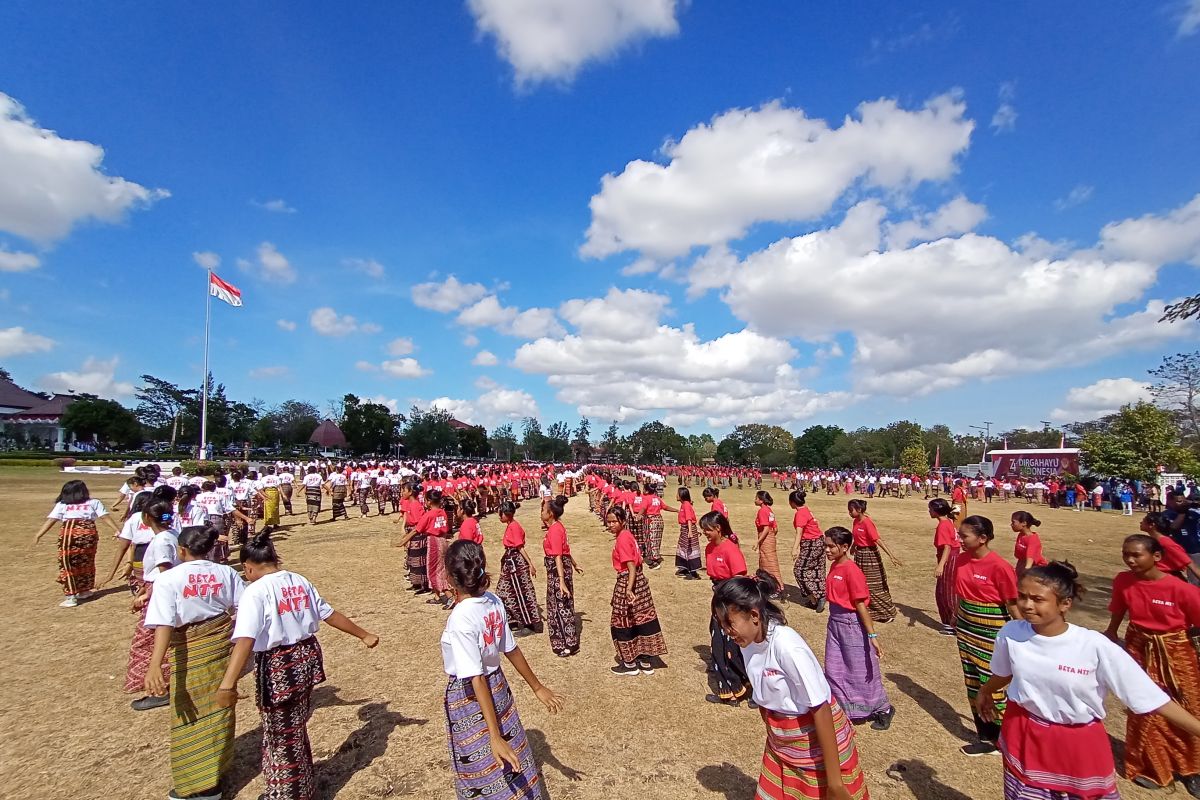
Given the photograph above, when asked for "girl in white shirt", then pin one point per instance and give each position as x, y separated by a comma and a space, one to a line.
78, 540
1057, 676
278, 617
159, 555
809, 737
189, 612
490, 752
313, 482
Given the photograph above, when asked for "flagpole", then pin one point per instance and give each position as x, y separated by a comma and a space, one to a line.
204, 396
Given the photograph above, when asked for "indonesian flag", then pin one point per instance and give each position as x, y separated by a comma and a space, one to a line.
224, 291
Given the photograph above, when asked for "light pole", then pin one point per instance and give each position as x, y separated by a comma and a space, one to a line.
987, 437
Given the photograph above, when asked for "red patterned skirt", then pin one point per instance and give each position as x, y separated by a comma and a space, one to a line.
635, 629
284, 680
1154, 748
515, 589
1073, 759
793, 764
77, 545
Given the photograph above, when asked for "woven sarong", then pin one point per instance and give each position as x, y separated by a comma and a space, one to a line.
634, 625
201, 732
793, 764
515, 588
477, 773
561, 622
881, 607
977, 626
77, 545
1155, 748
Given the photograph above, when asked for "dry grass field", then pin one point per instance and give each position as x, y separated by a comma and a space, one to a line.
66, 730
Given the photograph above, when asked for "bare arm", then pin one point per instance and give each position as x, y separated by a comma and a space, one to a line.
344, 624
864, 619
891, 557
548, 698
529, 561
629, 565
46, 526
1177, 716
227, 695
154, 683
943, 560
1114, 626
1014, 611
984, 704
122, 549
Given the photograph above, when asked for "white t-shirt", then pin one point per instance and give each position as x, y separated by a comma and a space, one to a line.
242, 489
193, 592
281, 608
286, 477
177, 482
268, 482
214, 503
312, 480
135, 531
163, 549
1065, 678
476, 634
90, 510
197, 480
784, 672
196, 514
337, 479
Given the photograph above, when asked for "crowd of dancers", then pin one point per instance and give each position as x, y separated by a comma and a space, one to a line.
1035, 683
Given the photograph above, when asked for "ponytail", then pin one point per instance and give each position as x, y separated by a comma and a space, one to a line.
260, 550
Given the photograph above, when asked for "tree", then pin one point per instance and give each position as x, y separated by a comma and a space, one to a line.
1140, 439
533, 441
166, 410
812, 446
581, 445
655, 443
611, 441
106, 420
291, 422
730, 451
764, 444
1183, 310
1177, 389
1024, 439
428, 433
700, 447
5, 375
503, 441
473, 442
914, 460
368, 427
557, 444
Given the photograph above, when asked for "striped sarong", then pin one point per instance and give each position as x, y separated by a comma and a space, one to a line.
809, 569
652, 527
687, 549
768, 555
852, 666
201, 732
1154, 748
477, 773
946, 596
881, 607
976, 627
312, 500
285, 495
561, 623
435, 551
793, 764
416, 559
635, 629
77, 545
515, 589
141, 648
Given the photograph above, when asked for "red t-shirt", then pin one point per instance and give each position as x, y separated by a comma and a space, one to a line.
723, 561
434, 523
845, 585
555, 541
765, 518
865, 532
719, 505
686, 513
1174, 557
1167, 604
959, 495
805, 522
945, 536
990, 579
469, 530
1029, 547
413, 510
514, 535
625, 549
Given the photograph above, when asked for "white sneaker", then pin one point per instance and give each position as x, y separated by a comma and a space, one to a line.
84, 595
70, 602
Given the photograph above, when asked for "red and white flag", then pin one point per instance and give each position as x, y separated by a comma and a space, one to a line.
224, 291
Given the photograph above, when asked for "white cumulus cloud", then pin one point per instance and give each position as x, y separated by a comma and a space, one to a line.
285, 325
269, 264
485, 358
401, 346
367, 266
16, 261
1005, 118
509, 320
278, 206
327, 322
446, 296
495, 406
19, 342
772, 163
957, 216
96, 376
551, 39
49, 184
404, 368
207, 259
1157, 238
1104, 397
1189, 18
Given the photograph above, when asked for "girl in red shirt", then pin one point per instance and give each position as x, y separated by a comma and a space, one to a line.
946, 545
435, 524
413, 540
1028, 548
851, 645
687, 549
560, 581
652, 525
768, 531
725, 561
517, 572
636, 632
867, 544
987, 598
1175, 560
1161, 609
468, 523
712, 496
808, 553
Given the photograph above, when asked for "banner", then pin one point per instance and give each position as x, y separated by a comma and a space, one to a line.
1039, 465
224, 291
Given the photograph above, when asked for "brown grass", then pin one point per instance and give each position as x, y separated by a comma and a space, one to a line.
67, 730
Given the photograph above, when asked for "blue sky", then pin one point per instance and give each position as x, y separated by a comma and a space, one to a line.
812, 214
